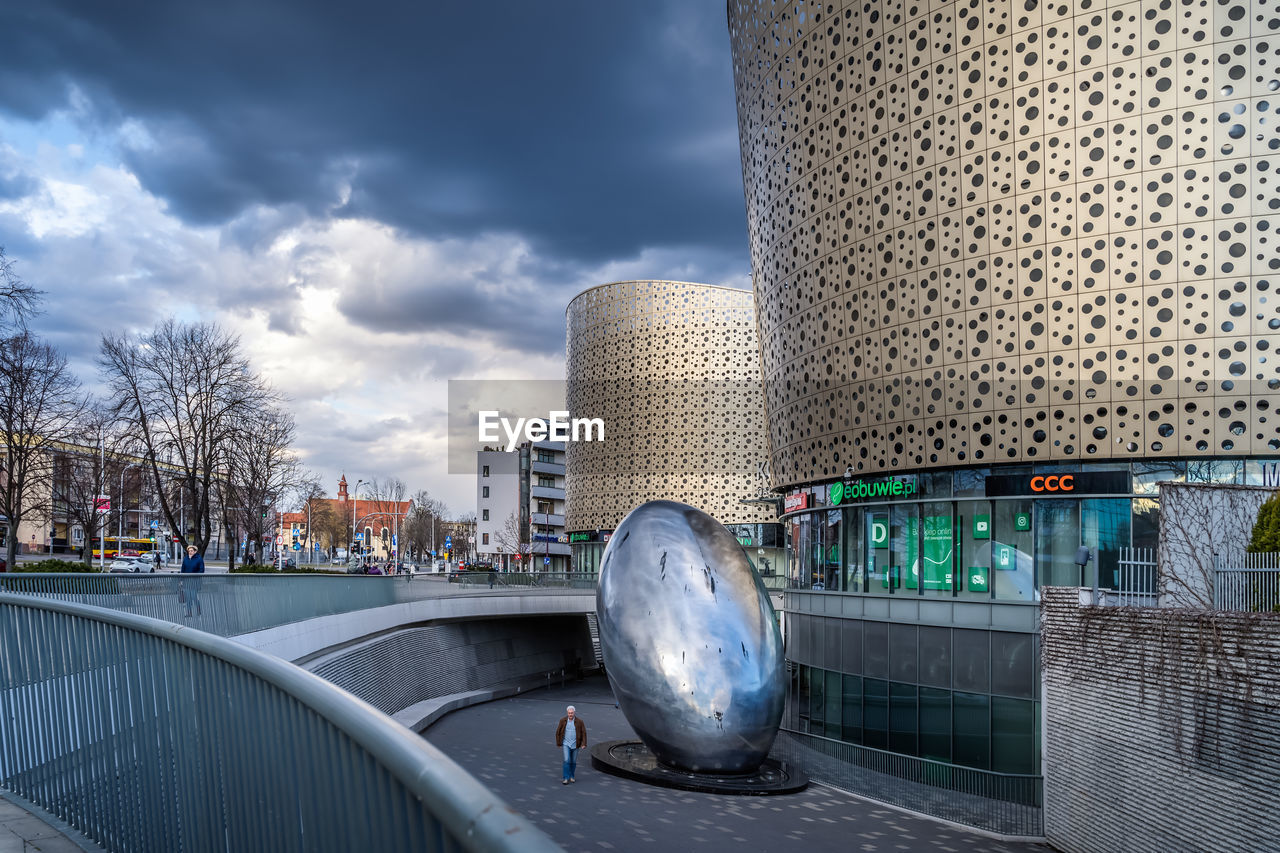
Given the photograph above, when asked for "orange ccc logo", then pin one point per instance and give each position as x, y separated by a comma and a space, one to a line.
1053, 483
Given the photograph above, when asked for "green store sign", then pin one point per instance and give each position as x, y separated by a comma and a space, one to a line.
878, 489
580, 537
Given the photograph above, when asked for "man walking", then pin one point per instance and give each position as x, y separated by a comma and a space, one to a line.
571, 735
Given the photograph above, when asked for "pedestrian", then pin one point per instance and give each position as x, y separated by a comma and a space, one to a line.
493, 576
571, 736
193, 563
155, 561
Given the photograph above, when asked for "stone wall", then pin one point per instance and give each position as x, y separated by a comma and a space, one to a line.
1197, 521
1162, 727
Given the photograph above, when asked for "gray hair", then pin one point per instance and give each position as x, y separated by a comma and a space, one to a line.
571, 708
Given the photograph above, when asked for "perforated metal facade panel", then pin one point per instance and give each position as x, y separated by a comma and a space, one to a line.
673, 368
990, 231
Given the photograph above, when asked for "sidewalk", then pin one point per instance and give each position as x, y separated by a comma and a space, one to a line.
23, 830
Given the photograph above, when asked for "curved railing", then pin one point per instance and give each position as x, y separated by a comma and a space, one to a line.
230, 605
146, 735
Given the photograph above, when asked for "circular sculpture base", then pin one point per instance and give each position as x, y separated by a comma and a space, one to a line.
631, 759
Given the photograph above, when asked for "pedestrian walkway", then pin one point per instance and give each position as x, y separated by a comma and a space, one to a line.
27, 830
509, 745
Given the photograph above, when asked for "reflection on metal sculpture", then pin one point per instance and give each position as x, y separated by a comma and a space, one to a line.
690, 641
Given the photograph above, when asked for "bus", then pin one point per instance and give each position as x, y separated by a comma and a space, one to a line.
122, 546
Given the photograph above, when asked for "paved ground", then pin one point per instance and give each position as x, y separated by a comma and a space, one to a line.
510, 746
22, 831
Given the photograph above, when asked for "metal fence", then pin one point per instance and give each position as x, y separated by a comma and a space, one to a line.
229, 605
1004, 803
1248, 582
147, 736
1136, 580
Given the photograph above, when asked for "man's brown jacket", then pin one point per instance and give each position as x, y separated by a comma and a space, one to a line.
582, 731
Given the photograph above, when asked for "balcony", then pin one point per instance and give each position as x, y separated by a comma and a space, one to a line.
547, 492
541, 519
547, 467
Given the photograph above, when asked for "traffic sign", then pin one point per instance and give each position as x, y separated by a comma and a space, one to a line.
546, 561
155, 524
297, 547
359, 537
448, 542
277, 540
102, 505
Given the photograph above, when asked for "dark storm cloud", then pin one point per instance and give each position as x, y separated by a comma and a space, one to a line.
591, 129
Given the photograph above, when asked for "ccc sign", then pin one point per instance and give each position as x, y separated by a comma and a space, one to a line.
1053, 483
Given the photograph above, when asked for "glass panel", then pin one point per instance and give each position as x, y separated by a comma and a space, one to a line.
936, 484
971, 723
904, 547
971, 657
902, 718
974, 529
834, 700
1012, 664
1012, 735
1146, 522
875, 525
855, 555
1147, 474
851, 634
970, 482
902, 653
937, 549
935, 656
832, 549
817, 699
794, 551
935, 723
813, 641
802, 699
1057, 539
875, 712
1104, 527
1012, 558
851, 710
831, 640
875, 649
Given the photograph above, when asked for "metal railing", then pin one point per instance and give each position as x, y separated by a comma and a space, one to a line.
1136, 580
230, 605
147, 736
532, 580
1005, 803
1248, 582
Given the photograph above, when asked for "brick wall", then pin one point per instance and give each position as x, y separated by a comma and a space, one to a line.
1162, 728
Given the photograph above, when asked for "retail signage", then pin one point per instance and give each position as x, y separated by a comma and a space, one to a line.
977, 578
982, 527
880, 531
581, 537
937, 552
880, 488
102, 505
1057, 485
1022, 521
835, 494
795, 501
1004, 557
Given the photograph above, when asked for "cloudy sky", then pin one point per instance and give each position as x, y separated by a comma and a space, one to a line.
377, 196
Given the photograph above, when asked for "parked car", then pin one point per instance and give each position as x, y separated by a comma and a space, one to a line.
122, 565
408, 567
286, 564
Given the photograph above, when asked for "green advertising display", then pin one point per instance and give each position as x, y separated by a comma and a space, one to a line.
1004, 558
937, 552
1022, 521
910, 556
977, 578
880, 531
835, 494
982, 527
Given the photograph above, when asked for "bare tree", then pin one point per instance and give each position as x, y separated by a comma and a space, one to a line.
259, 471
424, 526
93, 461
510, 541
387, 497
184, 390
39, 402
18, 300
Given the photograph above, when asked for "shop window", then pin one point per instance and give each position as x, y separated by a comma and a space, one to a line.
973, 525
935, 723
1146, 522
904, 548
937, 549
902, 652
1057, 539
1013, 746
875, 713
1012, 575
876, 536
832, 550
854, 551
971, 730
1104, 527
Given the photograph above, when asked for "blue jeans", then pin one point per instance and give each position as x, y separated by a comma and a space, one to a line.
570, 760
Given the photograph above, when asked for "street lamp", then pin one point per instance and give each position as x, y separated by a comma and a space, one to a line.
355, 493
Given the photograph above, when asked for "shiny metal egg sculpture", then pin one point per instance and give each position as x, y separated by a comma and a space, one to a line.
689, 640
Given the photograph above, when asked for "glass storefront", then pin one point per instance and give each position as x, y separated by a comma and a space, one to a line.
996, 533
